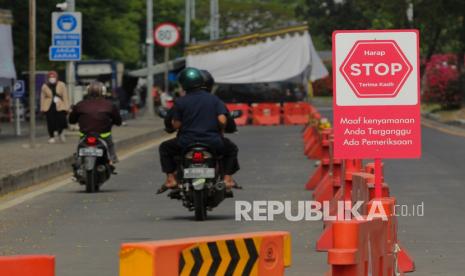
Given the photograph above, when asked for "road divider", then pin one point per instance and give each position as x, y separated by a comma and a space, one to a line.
272, 114
31, 265
367, 246
260, 253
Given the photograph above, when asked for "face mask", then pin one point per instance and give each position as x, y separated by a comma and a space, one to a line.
52, 80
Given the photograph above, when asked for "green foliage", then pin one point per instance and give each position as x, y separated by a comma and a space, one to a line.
439, 22
241, 17
112, 31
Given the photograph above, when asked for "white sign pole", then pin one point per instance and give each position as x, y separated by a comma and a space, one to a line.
17, 118
70, 64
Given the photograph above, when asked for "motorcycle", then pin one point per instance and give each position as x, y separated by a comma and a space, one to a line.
200, 177
92, 167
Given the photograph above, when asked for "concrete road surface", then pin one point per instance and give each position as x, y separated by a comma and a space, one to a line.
84, 231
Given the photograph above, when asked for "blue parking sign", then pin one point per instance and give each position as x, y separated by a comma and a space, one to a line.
19, 89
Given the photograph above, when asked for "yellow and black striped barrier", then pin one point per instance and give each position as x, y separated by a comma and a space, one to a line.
261, 253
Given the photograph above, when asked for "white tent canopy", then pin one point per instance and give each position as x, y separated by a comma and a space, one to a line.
7, 67
267, 57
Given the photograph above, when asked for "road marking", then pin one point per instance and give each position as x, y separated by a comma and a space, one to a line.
15, 198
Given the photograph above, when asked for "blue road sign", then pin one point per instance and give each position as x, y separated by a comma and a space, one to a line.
58, 53
19, 89
67, 23
66, 36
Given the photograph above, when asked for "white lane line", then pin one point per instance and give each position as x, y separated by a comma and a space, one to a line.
19, 197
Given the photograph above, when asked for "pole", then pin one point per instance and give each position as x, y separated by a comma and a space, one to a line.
167, 59
32, 73
217, 19
214, 20
378, 178
149, 41
70, 64
193, 10
17, 118
187, 23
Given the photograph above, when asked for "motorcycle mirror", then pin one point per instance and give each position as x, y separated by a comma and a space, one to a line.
236, 114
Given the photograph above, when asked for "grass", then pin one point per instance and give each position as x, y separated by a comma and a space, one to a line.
444, 115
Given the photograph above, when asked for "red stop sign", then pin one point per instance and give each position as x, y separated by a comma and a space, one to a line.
376, 68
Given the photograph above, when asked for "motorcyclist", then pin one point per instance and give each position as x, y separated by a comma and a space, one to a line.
199, 117
96, 114
231, 151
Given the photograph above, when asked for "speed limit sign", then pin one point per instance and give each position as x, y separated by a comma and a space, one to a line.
167, 35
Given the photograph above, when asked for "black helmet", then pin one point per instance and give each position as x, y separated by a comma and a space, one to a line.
209, 81
190, 78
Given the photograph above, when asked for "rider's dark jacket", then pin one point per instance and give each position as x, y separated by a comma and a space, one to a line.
95, 115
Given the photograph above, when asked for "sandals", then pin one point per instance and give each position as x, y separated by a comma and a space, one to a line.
165, 188
162, 189
234, 186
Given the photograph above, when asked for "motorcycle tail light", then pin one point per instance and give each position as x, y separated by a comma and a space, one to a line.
91, 141
197, 157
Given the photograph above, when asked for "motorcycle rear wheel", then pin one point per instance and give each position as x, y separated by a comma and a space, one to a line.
91, 181
200, 208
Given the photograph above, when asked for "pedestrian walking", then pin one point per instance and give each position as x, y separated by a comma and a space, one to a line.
54, 102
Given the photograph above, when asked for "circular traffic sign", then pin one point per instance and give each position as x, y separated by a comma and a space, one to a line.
167, 35
67, 23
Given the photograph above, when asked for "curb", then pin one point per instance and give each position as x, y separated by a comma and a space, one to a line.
460, 123
32, 176
442, 127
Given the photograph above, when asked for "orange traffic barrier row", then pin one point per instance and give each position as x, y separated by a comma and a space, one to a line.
354, 246
32, 265
268, 114
260, 253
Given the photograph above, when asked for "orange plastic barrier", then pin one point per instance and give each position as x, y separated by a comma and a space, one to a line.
357, 249
330, 184
363, 187
321, 150
350, 167
311, 132
32, 265
266, 114
296, 113
244, 119
261, 253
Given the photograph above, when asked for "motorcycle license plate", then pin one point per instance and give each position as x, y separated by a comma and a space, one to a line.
91, 152
199, 173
